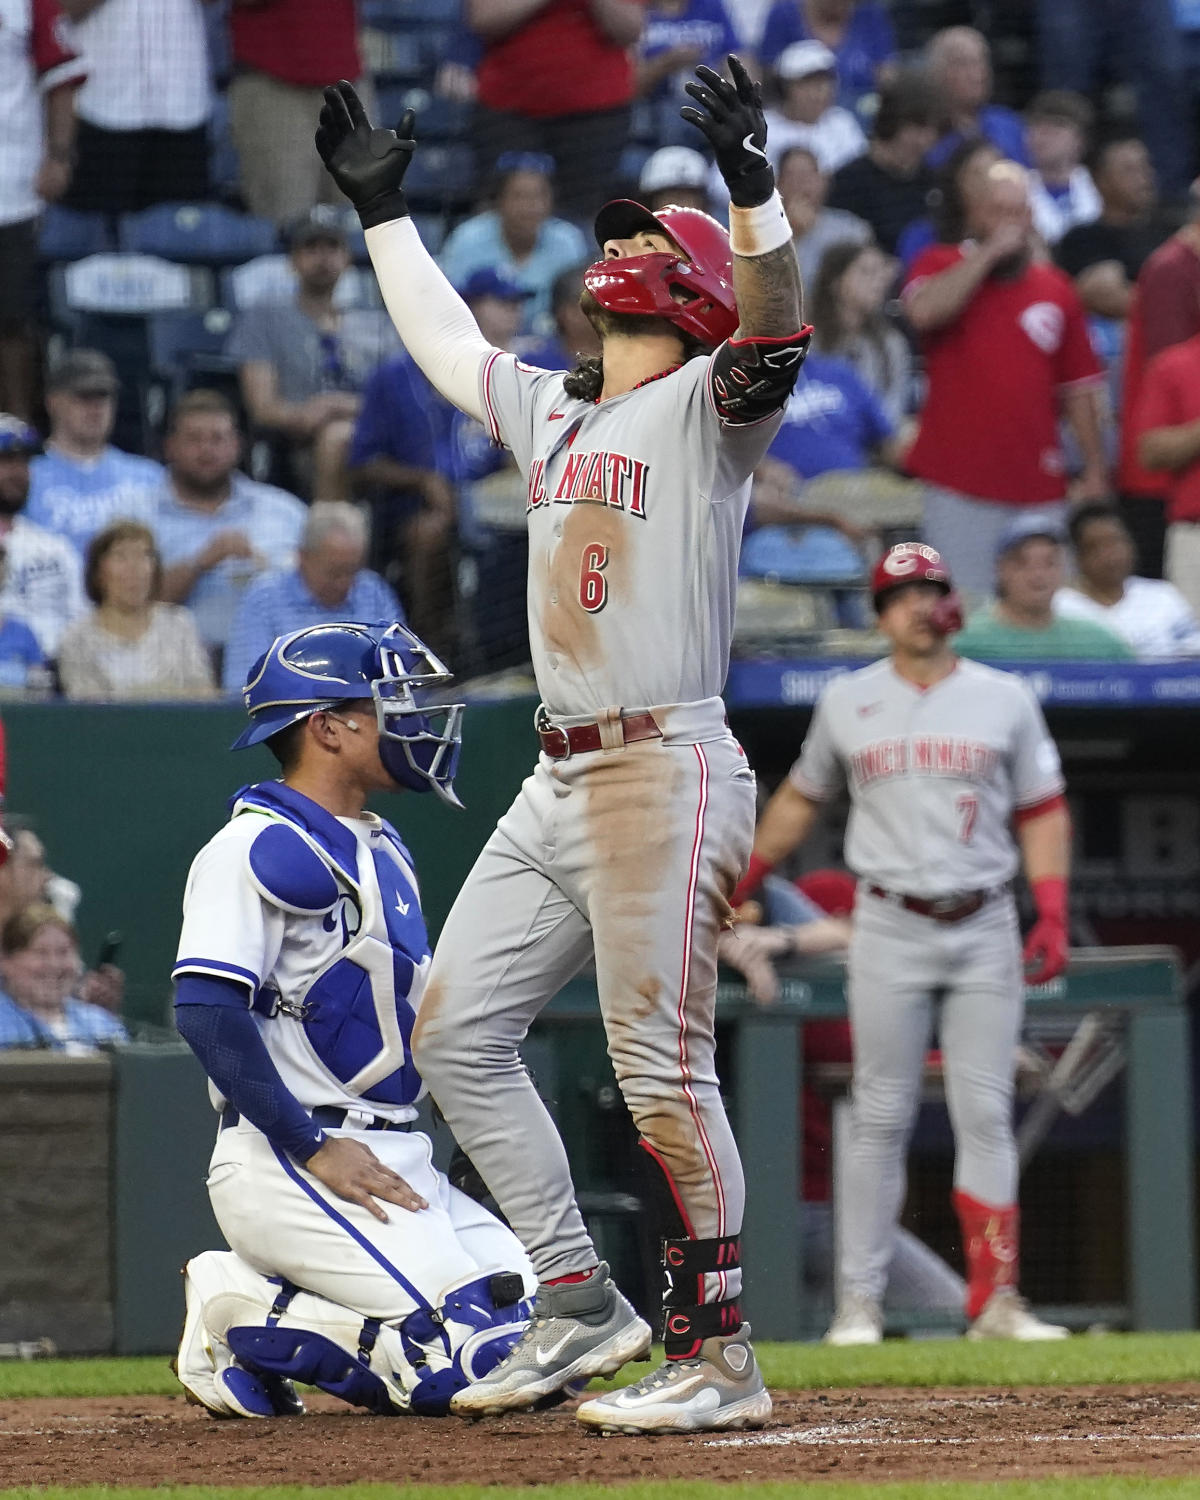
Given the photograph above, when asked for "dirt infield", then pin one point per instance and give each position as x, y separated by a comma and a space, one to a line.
864, 1435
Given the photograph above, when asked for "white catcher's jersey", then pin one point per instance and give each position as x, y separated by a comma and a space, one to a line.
329, 1048
934, 774
635, 509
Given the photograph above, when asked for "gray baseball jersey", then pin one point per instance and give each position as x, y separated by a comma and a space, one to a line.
934, 774
635, 509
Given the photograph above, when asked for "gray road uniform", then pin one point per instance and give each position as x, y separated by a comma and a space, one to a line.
934, 776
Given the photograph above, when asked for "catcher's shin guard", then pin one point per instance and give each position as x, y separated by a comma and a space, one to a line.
478, 1321
688, 1319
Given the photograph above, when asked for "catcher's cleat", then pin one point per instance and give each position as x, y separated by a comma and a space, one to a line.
250, 1395
1006, 1315
578, 1330
721, 1388
858, 1320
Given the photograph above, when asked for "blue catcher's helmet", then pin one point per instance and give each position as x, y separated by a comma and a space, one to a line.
17, 436
324, 665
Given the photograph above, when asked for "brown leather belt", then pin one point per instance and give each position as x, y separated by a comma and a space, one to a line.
560, 743
940, 909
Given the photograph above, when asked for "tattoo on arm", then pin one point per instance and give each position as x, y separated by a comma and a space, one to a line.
767, 288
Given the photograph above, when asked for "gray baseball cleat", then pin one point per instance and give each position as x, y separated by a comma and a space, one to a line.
719, 1389
582, 1329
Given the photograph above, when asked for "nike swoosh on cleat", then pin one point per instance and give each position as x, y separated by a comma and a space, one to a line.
653, 1398
544, 1356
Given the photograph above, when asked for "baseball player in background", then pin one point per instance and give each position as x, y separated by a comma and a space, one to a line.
942, 758
355, 1266
627, 839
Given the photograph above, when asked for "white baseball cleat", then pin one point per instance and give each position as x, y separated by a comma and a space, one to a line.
1006, 1315
720, 1389
858, 1320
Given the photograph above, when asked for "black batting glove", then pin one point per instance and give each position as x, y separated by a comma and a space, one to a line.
731, 116
367, 162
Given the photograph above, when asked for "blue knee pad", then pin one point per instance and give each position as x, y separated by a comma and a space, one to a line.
494, 1308
297, 1354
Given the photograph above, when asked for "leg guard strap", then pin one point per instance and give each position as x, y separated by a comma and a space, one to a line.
685, 1328
683, 1259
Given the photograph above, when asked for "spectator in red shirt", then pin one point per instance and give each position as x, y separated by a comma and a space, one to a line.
38, 79
557, 76
285, 52
1006, 348
1168, 419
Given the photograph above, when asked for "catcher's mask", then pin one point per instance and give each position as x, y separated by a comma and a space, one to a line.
693, 291
914, 562
323, 665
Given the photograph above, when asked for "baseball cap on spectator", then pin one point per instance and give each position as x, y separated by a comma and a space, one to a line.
488, 282
673, 167
17, 436
1023, 528
323, 222
803, 59
84, 372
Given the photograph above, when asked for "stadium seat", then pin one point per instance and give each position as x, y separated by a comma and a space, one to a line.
441, 177
187, 349
432, 229
270, 278
390, 14
399, 56
197, 234
68, 234
224, 165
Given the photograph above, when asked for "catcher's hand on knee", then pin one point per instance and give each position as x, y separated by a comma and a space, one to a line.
355, 1173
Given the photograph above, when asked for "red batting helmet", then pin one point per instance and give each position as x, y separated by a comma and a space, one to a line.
914, 562
647, 284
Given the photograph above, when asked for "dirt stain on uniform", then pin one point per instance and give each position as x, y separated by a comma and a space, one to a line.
595, 541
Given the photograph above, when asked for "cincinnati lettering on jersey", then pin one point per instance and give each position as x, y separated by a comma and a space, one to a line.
923, 755
598, 477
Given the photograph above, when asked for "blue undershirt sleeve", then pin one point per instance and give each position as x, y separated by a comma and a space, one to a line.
212, 1018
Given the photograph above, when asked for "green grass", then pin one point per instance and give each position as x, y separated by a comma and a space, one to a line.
1108, 1359
1092, 1487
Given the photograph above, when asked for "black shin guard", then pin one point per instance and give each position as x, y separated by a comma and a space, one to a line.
688, 1319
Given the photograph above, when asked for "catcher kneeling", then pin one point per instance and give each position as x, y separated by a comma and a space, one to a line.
355, 1266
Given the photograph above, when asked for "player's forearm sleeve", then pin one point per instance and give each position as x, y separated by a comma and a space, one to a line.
433, 321
212, 1018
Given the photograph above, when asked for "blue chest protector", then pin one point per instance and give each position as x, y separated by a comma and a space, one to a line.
357, 1013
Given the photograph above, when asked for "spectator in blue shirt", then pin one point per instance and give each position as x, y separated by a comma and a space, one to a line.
960, 65
328, 583
81, 483
518, 238
40, 968
215, 528
858, 32
677, 37
573, 334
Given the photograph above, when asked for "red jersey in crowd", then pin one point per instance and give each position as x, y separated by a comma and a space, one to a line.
990, 424
558, 62
1165, 311
307, 43
1170, 396
35, 58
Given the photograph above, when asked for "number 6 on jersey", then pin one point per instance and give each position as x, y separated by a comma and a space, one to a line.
593, 586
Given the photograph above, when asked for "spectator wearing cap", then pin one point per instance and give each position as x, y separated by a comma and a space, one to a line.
557, 76
1168, 421
131, 645
330, 582
960, 65
988, 447
42, 576
518, 237
215, 528
1057, 126
858, 32
1020, 624
302, 363
81, 483
808, 114
1149, 614
889, 185
285, 53
143, 112
674, 175
39, 74
679, 35
815, 227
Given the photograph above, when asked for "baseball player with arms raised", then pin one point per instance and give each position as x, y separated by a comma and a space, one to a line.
942, 757
627, 839
355, 1266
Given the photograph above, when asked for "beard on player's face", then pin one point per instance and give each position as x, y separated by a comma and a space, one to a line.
586, 380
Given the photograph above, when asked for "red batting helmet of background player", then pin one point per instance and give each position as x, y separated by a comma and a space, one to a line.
694, 293
914, 562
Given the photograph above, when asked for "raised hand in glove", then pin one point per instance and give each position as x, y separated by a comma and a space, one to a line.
731, 116
1047, 948
367, 162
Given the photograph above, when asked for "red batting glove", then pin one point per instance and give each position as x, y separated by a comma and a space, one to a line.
1048, 946
757, 872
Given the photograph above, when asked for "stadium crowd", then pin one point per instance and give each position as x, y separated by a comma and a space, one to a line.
212, 435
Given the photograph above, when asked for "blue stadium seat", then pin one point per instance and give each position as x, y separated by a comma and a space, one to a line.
441, 176
432, 228
402, 57
441, 119
187, 349
388, 14
197, 234
68, 234
224, 165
